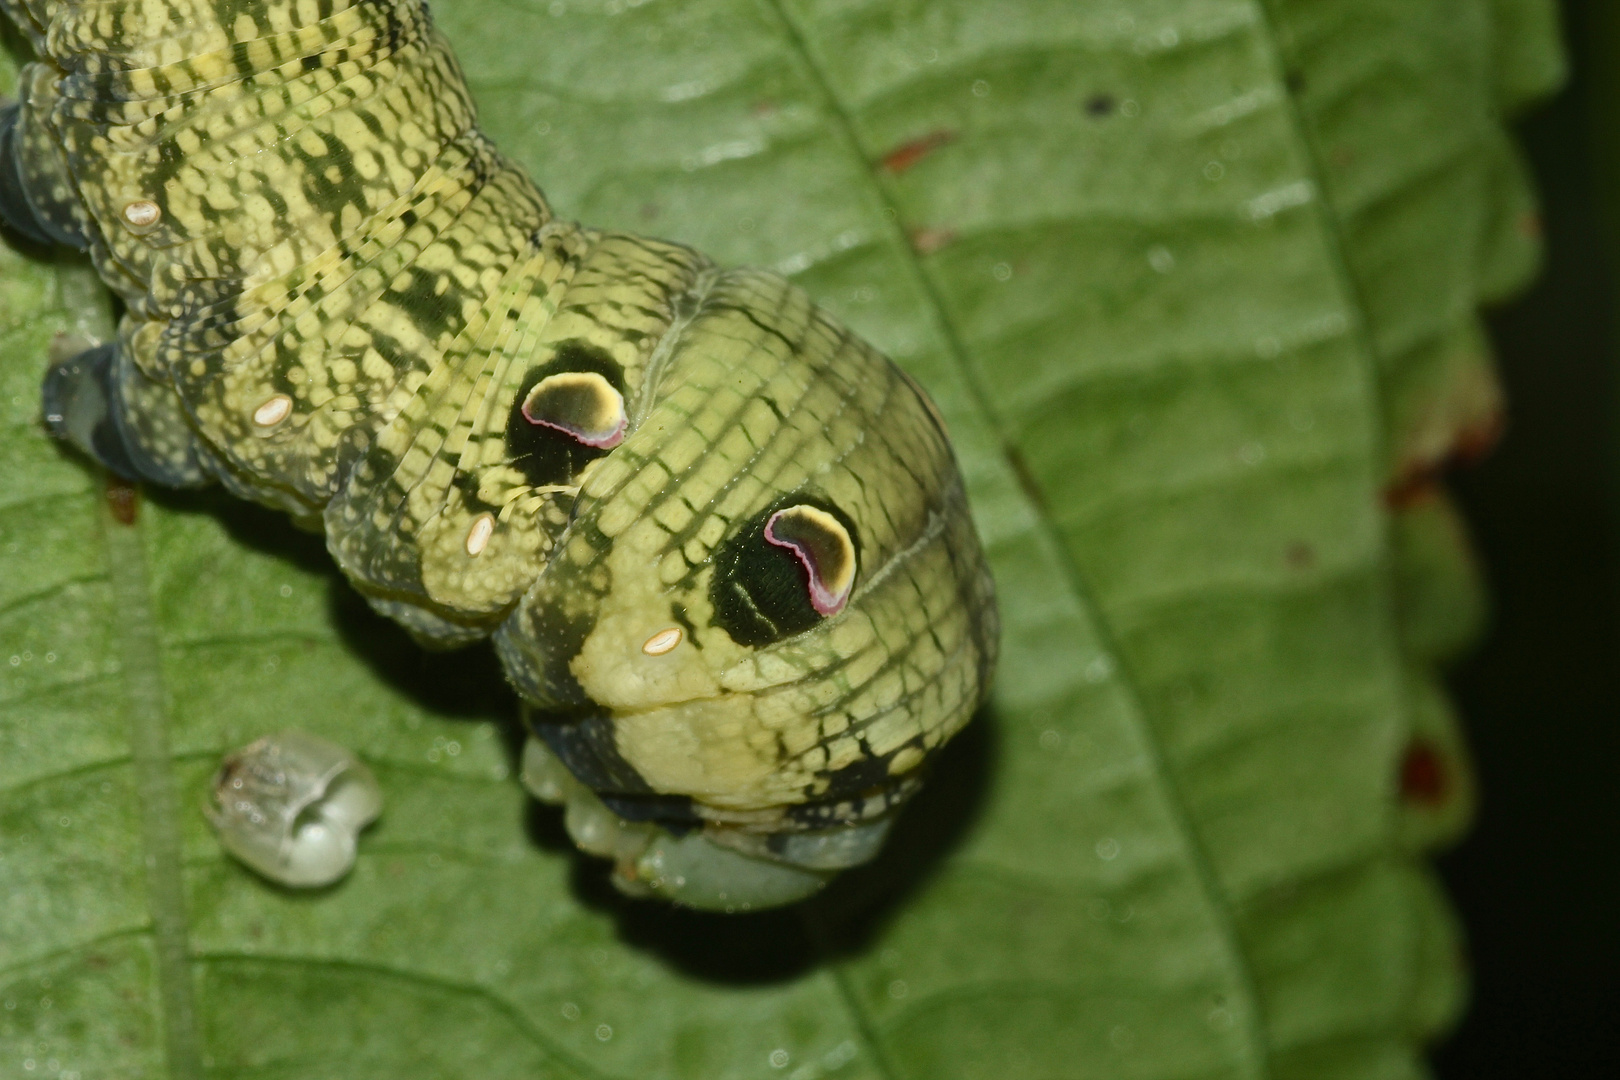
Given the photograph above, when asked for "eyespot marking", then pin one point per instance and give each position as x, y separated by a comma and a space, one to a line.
662, 642
823, 546
483, 527
547, 454
760, 593
142, 213
273, 410
581, 404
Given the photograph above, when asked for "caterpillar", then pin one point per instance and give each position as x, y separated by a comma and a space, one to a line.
721, 544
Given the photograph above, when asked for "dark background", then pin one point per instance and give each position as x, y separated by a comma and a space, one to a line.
1536, 880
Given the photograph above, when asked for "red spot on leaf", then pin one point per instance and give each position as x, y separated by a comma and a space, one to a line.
1477, 440
907, 154
1423, 774
1530, 225
1412, 491
123, 500
1418, 481
928, 240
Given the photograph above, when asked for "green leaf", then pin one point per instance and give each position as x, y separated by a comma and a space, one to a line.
1194, 282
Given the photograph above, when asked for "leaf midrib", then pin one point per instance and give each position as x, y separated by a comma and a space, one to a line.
1222, 916
147, 718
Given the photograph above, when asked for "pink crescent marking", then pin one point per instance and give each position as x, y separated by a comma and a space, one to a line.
821, 598
604, 442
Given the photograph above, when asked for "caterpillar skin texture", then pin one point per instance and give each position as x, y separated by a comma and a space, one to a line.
720, 542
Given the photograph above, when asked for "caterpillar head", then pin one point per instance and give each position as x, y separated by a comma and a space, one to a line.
766, 613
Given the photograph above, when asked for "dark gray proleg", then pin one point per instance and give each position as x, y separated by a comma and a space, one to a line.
22, 207
106, 407
76, 400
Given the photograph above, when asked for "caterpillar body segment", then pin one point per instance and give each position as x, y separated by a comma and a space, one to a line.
721, 543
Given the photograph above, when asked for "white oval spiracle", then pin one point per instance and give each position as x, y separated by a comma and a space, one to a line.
273, 410
142, 213
478, 537
662, 642
292, 805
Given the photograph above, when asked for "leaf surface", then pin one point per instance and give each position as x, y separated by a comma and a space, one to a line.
1194, 282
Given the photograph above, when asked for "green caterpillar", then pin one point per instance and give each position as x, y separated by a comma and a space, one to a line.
721, 543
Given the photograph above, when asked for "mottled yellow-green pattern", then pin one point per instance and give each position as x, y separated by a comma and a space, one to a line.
340, 297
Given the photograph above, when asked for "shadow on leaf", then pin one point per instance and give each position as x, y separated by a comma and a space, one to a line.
459, 684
